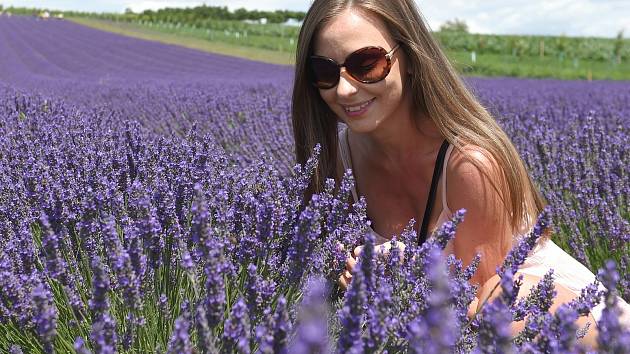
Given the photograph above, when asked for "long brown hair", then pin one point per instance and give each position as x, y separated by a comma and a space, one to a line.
436, 90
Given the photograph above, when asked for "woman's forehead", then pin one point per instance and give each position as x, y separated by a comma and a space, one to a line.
349, 31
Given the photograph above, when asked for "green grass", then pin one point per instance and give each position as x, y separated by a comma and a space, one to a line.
281, 50
536, 67
190, 39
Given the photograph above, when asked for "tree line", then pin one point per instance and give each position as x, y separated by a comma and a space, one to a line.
453, 35
188, 15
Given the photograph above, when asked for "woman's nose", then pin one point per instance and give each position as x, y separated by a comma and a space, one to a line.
347, 85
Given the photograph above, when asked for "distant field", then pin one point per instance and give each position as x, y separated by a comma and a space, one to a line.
273, 49
535, 67
189, 40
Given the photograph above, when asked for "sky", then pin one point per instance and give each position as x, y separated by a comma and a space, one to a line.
599, 18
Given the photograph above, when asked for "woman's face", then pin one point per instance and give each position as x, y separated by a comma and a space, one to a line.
342, 35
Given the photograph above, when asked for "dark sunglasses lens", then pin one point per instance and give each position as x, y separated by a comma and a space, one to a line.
368, 65
325, 73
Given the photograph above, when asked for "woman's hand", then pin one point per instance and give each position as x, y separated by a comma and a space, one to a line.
351, 260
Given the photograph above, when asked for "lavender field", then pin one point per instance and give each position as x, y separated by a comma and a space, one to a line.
150, 202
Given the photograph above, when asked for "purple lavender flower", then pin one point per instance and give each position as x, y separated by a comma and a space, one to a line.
589, 297
180, 338
146, 224
338, 206
380, 317
312, 328
80, 346
302, 245
121, 264
367, 262
495, 335
101, 286
55, 263
45, 316
273, 334
259, 292
351, 315
446, 232
15, 349
463, 294
236, 329
200, 224
103, 334
215, 301
562, 334
517, 255
612, 338
435, 331
205, 340
536, 307
138, 260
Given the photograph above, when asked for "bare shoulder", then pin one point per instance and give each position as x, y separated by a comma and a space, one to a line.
465, 159
472, 173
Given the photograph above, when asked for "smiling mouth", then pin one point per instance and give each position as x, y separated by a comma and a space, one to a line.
357, 108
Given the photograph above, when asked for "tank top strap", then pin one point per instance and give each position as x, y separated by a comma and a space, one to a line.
437, 171
346, 159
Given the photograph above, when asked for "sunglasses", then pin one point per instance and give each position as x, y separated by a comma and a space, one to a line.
367, 65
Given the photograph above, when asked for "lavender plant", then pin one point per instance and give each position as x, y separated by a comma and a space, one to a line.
150, 202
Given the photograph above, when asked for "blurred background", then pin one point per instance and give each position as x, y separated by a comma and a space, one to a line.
557, 39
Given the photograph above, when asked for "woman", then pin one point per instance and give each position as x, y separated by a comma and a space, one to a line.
411, 126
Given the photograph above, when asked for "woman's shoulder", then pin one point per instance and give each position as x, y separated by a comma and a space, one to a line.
473, 153
467, 159
474, 177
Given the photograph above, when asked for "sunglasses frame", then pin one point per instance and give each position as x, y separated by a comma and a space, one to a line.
388, 57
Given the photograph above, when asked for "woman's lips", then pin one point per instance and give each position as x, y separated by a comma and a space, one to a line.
362, 108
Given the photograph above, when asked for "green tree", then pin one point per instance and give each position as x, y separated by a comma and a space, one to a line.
455, 25
618, 46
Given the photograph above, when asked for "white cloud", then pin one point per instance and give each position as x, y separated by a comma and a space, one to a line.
573, 18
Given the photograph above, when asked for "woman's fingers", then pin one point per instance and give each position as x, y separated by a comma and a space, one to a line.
346, 276
344, 280
382, 249
351, 260
472, 308
350, 263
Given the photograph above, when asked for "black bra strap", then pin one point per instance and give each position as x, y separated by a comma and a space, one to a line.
437, 171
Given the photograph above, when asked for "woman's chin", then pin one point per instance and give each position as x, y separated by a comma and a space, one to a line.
363, 126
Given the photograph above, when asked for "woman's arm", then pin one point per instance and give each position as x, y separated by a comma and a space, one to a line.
486, 227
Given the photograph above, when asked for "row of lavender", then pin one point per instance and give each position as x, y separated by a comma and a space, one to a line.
120, 238
162, 214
